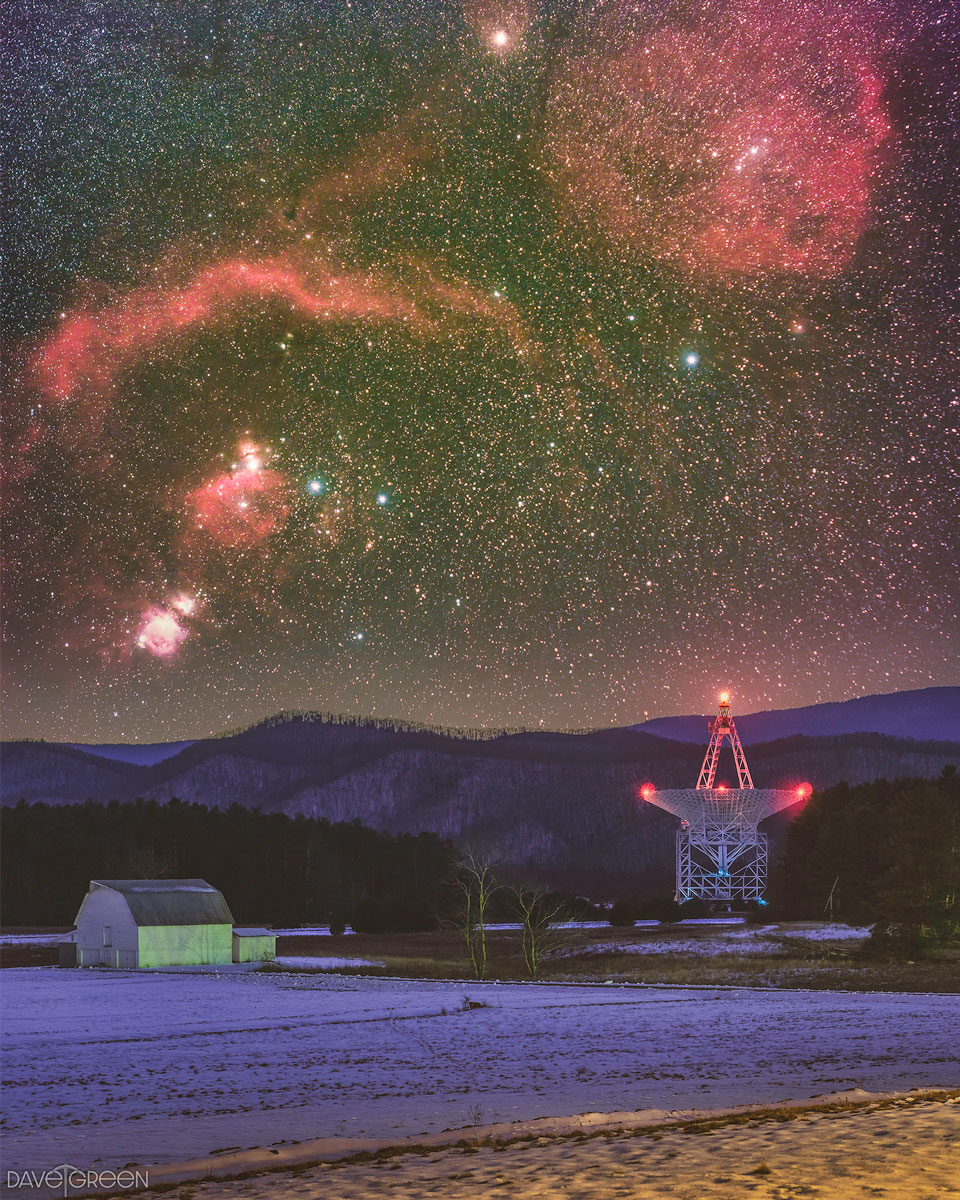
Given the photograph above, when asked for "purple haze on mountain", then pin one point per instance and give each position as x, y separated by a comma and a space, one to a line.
144, 755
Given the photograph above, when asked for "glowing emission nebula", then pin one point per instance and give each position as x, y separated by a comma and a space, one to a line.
484, 362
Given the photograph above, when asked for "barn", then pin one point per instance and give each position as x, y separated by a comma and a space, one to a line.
153, 923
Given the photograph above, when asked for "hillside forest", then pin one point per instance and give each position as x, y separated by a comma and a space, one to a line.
885, 853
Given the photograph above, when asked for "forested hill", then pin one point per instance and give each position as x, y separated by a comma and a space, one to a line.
561, 805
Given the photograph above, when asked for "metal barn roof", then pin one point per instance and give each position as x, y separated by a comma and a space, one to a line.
170, 901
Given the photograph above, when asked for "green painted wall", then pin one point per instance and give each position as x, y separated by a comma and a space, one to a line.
185, 945
254, 949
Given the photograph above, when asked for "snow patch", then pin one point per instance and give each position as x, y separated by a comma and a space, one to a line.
745, 940
308, 931
35, 939
324, 964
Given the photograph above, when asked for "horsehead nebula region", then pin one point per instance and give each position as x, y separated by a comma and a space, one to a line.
244, 505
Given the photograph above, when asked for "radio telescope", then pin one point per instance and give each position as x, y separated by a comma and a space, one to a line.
721, 854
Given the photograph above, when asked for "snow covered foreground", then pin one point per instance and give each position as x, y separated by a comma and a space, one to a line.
109, 1068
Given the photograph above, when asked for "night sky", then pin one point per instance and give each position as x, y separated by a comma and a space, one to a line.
482, 363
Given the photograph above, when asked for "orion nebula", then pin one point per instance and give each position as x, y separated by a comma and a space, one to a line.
495, 363
160, 632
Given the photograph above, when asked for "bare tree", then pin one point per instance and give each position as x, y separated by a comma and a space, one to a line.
541, 915
477, 884
146, 863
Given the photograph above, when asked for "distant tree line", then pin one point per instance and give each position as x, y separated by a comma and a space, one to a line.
270, 867
885, 854
392, 725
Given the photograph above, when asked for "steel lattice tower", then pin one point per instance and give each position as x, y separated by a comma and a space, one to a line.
720, 730
721, 853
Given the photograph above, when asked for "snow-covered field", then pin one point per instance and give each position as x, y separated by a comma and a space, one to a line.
821, 931
904, 1151
151, 1067
740, 939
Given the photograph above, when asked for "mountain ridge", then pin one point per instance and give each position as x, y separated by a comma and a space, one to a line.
924, 714
562, 807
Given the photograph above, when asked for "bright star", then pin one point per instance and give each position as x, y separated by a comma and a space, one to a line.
382, 498
691, 359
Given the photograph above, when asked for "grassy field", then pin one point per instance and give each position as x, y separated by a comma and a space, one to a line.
795, 962
585, 955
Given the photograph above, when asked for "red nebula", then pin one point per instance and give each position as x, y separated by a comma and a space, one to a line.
241, 508
160, 632
92, 347
740, 140
378, 163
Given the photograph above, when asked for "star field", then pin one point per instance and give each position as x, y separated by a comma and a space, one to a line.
493, 363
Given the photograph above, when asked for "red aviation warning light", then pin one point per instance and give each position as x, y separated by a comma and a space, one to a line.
646, 791
804, 791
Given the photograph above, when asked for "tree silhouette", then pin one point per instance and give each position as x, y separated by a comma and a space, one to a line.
270, 867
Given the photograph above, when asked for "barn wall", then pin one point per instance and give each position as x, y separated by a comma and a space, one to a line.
185, 945
100, 908
254, 949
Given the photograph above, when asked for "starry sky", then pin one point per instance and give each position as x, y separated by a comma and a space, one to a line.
545, 363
